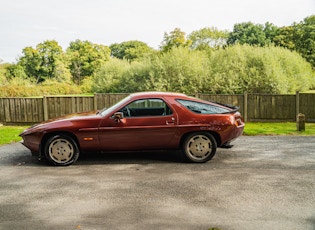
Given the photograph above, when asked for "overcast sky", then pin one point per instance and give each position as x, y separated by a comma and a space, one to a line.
29, 22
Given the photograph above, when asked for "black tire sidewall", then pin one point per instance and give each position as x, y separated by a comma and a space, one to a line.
73, 143
186, 155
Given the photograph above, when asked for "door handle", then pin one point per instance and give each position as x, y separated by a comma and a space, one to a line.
172, 122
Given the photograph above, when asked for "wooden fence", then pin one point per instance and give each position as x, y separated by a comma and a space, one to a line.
254, 107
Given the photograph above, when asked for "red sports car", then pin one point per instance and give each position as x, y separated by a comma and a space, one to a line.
141, 121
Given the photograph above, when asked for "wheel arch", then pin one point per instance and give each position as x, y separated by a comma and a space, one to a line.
49, 135
214, 134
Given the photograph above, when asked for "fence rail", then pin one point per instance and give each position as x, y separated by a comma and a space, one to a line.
254, 107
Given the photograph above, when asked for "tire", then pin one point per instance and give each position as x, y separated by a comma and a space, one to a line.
61, 150
199, 147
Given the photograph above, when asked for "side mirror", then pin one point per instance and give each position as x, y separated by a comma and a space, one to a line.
118, 116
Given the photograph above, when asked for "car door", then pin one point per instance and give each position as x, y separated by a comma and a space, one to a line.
147, 124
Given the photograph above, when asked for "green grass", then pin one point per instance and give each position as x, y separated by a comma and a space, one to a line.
10, 134
283, 128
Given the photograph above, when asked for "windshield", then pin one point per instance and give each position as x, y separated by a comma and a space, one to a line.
113, 108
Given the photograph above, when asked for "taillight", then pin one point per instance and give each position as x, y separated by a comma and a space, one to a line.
238, 119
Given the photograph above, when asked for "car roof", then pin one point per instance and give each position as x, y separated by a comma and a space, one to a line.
153, 94
157, 94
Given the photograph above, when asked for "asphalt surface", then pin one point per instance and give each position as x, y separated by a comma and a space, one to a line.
263, 182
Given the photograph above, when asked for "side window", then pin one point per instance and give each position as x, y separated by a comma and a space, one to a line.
146, 107
198, 107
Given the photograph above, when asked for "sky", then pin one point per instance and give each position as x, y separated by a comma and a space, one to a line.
26, 23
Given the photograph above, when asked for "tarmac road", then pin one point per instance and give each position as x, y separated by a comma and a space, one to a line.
265, 182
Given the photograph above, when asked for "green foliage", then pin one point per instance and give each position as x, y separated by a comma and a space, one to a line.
26, 88
3, 72
85, 57
235, 69
207, 61
137, 78
108, 77
239, 69
285, 37
130, 50
40, 63
305, 39
181, 70
208, 38
175, 38
252, 34
62, 73
87, 85
16, 71
31, 63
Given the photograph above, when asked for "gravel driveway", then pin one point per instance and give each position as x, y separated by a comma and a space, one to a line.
265, 182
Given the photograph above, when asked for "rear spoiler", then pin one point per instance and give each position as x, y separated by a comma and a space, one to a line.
232, 107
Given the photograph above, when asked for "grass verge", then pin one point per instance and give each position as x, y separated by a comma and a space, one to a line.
10, 134
283, 128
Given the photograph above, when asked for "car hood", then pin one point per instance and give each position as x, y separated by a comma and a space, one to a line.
74, 116
60, 122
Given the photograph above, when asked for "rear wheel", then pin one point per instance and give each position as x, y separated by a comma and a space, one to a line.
61, 150
199, 147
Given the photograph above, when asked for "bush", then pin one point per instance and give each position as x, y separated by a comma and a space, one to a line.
230, 70
243, 68
180, 69
108, 78
20, 88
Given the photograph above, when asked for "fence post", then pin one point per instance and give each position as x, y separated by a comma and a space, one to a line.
300, 122
45, 106
297, 102
245, 107
95, 101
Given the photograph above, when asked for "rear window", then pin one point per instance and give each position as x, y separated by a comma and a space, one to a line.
203, 108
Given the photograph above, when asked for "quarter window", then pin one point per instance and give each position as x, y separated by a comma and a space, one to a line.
198, 107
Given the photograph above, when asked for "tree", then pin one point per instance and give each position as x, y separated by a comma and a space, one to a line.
206, 38
130, 50
40, 63
305, 39
175, 38
299, 37
252, 34
285, 38
271, 31
31, 63
85, 57
50, 52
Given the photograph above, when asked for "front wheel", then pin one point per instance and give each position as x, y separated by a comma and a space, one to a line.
61, 150
199, 147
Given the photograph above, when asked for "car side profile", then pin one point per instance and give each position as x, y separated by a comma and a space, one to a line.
141, 121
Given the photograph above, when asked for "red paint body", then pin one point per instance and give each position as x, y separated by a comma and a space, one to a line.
103, 132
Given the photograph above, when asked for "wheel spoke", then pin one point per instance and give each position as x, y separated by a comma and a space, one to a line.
61, 150
199, 147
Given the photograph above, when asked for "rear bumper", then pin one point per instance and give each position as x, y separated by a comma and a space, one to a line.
237, 131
